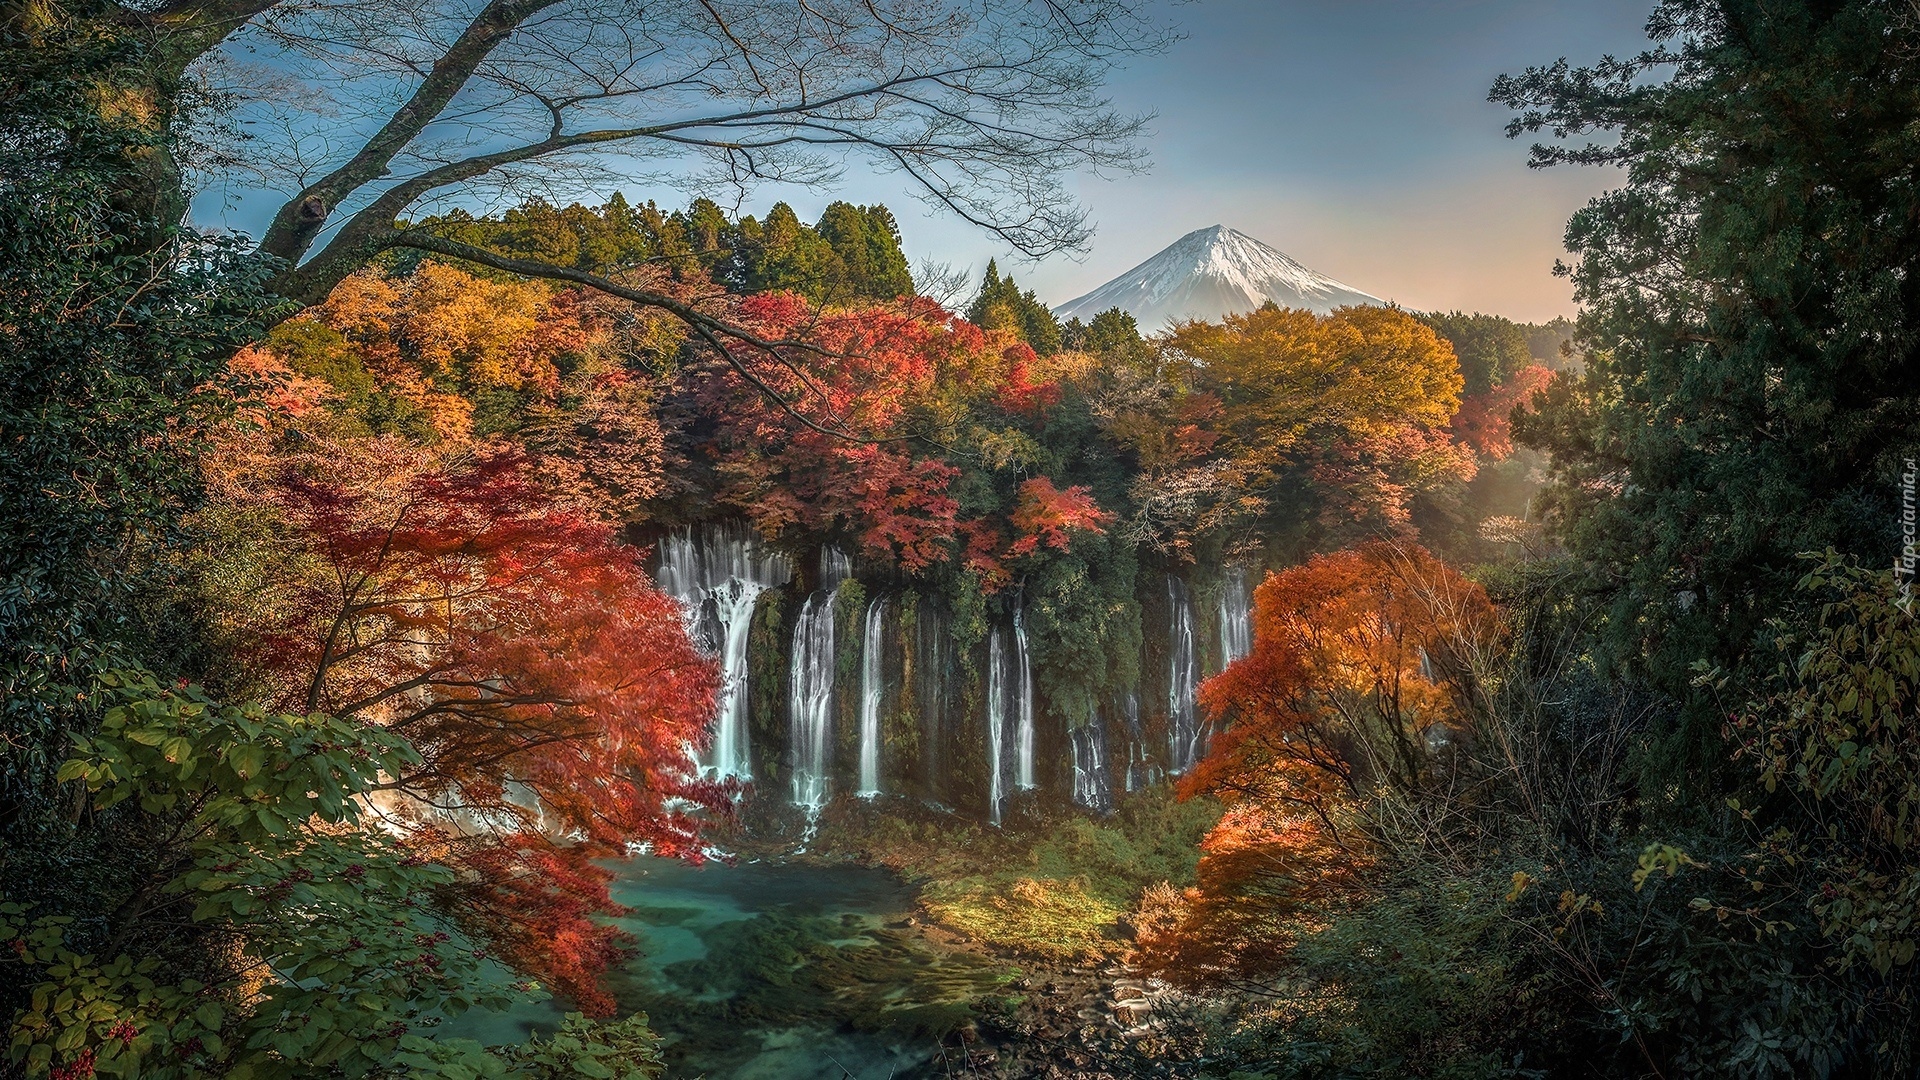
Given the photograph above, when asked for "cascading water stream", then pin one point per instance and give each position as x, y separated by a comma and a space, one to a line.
996, 722
1140, 763
872, 694
932, 661
1183, 729
1236, 616
810, 686
1092, 782
1023, 712
717, 573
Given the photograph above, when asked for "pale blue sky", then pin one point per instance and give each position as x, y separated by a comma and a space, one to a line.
1353, 134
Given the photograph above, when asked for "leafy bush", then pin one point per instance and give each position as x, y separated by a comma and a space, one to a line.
315, 944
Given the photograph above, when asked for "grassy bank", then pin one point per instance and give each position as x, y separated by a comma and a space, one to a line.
1057, 886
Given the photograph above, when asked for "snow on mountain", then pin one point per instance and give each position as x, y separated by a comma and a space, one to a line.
1210, 273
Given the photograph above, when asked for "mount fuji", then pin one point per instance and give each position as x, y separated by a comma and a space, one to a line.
1210, 273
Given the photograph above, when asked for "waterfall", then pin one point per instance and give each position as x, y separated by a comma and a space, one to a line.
872, 692
1023, 731
1140, 768
1183, 728
810, 686
1236, 616
996, 721
1092, 785
718, 572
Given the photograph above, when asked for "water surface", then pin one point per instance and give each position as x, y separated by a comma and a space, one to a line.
779, 971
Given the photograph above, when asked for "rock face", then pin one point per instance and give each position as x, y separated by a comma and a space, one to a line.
1210, 273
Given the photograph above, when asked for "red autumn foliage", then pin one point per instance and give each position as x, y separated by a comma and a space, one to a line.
536, 905
870, 368
1356, 680
1484, 420
1374, 477
1263, 874
984, 554
550, 689
1045, 515
1021, 394
1190, 435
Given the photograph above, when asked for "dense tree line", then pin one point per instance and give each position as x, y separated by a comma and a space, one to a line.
851, 254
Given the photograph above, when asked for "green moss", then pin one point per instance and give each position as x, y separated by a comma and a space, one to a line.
662, 916
768, 642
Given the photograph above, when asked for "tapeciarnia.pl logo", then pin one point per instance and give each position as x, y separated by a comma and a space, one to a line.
1903, 567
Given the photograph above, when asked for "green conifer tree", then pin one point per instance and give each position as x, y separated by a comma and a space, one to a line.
1752, 322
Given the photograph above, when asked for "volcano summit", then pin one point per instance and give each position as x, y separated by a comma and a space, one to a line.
1210, 273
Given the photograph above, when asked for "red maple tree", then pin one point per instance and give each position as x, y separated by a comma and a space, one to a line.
1045, 515
839, 453
550, 690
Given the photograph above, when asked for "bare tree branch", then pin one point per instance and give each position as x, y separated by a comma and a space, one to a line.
981, 105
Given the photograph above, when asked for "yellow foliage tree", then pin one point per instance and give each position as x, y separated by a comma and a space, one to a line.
1357, 402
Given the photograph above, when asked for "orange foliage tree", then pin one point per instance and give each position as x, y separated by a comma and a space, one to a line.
550, 690
1045, 515
1363, 671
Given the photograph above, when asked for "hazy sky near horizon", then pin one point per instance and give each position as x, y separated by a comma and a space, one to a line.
1355, 135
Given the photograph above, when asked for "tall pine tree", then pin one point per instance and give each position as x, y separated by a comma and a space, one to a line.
1001, 305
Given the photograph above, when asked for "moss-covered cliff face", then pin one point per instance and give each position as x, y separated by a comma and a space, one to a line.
769, 643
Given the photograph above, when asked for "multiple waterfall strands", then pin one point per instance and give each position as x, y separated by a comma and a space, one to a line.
1186, 740
1236, 616
996, 722
872, 694
717, 572
1141, 769
1009, 704
1092, 782
933, 661
1023, 731
810, 686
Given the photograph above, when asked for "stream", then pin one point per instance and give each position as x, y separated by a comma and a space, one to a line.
779, 971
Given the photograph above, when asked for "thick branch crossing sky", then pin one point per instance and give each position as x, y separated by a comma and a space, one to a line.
1355, 135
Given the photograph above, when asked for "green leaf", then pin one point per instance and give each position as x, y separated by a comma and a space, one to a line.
246, 759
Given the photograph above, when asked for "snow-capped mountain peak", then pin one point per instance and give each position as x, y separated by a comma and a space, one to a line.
1210, 273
